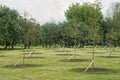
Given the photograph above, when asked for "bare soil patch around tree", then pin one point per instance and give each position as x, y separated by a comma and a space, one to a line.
74, 60
95, 70
62, 51
65, 54
23, 65
35, 57
97, 52
109, 56
34, 53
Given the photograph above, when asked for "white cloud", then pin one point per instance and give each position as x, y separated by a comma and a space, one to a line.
46, 10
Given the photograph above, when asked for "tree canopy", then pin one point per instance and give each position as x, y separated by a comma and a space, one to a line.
84, 25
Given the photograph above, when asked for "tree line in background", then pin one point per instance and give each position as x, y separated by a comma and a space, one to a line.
84, 26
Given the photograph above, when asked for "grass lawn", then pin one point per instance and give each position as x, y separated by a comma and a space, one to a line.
48, 64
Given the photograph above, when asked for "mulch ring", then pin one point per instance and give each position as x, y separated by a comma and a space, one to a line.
63, 51
37, 53
117, 51
66, 54
74, 60
97, 52
23, 65
34, 57
109, 56
2, 55
34, 53
94, 70
0, 52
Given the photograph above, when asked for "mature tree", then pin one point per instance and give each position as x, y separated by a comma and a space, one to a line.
9, 26
73, 12
30, 34
112, 22
49, 34
83, 35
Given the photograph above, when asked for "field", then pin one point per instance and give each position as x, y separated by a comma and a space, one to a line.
52, 64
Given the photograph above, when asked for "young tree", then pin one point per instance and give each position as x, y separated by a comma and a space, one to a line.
95, 24
91, 15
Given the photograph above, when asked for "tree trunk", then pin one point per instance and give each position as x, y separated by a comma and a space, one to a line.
6, 45
29, 46
12, 46
25, 46
67, 40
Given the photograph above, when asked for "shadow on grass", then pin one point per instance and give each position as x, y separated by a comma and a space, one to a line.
116, 51
93, 70
23, 66
74, 60
34, 53
2, 55
97, 52
35, 57
63, 51
66, 54
2, 49
1, 52
37, 53
109, 56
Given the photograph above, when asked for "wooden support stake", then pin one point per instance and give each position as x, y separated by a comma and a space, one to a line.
23, 58
104, 47
89, 65
73, 56
95, 47
18, 61
108, 53
116, 48
65, 52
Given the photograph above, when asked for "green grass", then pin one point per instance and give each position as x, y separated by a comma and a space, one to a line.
49, 65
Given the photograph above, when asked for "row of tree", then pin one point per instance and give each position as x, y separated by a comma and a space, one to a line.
15, 29
84, 25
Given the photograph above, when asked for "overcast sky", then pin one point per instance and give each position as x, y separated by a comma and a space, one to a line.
47, 10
